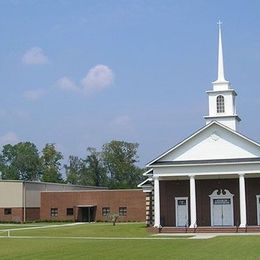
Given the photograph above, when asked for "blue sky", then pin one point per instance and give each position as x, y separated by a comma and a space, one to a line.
81, 73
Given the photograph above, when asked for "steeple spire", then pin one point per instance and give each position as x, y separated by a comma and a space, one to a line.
222, 106
221, 83
221, 77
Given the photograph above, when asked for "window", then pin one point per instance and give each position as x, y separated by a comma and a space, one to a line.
122, 211
8, 211
105, 211
220, 104
69, 211
54, 212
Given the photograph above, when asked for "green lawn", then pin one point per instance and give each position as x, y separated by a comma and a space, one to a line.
40, 247
89, 230
6, 226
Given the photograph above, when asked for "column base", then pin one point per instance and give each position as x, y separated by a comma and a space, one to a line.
193, 226
242, 225
157, 226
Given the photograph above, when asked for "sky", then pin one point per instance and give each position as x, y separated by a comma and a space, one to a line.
82, 73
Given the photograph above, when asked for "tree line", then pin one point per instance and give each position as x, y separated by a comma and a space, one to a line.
114, 166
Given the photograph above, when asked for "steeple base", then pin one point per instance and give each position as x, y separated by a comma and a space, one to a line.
229, 121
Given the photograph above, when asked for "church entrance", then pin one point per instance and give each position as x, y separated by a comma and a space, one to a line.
221, 205
181, 211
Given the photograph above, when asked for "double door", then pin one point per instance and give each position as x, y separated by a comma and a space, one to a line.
221, 207
222, 212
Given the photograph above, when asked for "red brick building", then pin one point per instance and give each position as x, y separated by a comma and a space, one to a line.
22, 201
93, 205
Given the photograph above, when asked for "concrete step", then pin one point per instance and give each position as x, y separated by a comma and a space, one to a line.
233, 229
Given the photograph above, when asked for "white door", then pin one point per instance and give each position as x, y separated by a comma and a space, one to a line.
222, 212
181, 211
258, 209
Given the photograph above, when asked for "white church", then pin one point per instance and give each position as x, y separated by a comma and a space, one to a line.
210, 180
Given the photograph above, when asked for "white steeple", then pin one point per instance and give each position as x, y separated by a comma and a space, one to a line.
221, 77
220, 83
222, 106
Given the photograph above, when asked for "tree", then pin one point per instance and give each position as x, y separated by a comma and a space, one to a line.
95, 173
74, 170
119, 159
51, 164
20, 162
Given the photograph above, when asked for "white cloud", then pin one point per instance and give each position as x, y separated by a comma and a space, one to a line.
9, 138
34, 94
35, 56
65, 83
97, 79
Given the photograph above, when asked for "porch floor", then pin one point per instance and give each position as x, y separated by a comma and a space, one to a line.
209, 229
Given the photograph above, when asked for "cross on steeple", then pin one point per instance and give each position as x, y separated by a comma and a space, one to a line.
219, 23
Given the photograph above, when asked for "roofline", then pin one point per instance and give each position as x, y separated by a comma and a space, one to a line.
253, 160
196, 133
142, 183
147, 173
106, 190
221, 91
54, 183
223, 116
179, 144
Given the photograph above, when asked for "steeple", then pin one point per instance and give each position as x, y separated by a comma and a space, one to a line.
221, 77
220, 83
222, 106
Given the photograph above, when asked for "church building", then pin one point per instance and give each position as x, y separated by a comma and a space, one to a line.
210, 180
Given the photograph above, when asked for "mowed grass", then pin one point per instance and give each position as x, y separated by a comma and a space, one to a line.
88, 230
64, 246
6, 226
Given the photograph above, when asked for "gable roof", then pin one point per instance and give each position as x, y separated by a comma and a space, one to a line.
194, 135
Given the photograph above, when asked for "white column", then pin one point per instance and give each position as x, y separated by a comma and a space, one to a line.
242, 199
193, 215
156, 202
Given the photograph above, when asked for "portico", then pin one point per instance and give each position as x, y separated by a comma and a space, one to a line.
229, 190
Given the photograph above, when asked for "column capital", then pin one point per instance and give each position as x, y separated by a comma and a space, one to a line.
156, 178
241, 174
192, 176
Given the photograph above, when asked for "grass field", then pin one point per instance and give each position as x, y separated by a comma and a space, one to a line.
123, 241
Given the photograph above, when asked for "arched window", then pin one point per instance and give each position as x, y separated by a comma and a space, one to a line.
220, 104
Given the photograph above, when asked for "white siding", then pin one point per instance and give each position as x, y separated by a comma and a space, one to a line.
11, 194
214, 143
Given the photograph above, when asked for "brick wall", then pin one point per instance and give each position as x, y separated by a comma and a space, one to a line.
133, 200
16, 215
32, 214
